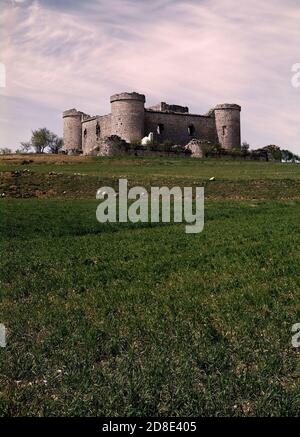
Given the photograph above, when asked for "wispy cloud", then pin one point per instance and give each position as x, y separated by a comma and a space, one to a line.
61, 54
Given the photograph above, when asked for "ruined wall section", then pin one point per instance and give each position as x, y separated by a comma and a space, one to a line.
94, 129
165, 107
179, 128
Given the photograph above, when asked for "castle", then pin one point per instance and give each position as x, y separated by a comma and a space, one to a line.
131, 121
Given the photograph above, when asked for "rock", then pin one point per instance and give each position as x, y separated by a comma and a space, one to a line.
195, 147
110, 146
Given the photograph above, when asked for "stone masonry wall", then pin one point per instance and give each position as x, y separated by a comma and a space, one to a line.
176, 127
127, 116
91, 137
72, 131
130, 121
228, 125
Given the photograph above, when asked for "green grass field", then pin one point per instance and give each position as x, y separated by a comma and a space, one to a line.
126, 320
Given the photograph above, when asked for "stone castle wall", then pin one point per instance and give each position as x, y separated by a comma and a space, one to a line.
131, 121
165, 107
228, 125
72, 131
128, 116
92, 134
179, 128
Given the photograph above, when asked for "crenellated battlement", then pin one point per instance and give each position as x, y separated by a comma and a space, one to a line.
131, 121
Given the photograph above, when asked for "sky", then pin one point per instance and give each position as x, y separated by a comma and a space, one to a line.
58, 55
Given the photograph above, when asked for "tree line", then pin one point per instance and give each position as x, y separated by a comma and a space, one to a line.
42, 141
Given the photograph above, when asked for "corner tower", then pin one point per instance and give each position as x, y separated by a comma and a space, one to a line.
228, 125
128, 116
72, 131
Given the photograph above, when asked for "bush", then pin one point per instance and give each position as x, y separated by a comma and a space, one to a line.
273, 151
245, 147
135, 143
211, 149
288, 156
166, 145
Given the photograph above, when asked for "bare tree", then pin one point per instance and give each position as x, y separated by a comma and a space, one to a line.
25, 147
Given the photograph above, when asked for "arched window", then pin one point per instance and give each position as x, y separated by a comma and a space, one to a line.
85, 133
160, 128
191, 130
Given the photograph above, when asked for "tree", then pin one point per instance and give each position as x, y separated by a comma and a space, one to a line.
273, 151
25, 147
41, 139
5, 151
245, 146
289, 156
55, 144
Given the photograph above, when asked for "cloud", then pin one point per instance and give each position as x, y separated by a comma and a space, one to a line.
61, 54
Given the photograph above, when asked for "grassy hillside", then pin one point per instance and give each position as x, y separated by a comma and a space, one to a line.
181, 168
58, 176
123, 319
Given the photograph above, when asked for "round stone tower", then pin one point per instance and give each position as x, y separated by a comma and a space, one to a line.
228, 124
72, 131
128, 116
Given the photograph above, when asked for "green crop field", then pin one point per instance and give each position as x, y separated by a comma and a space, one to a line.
143, 319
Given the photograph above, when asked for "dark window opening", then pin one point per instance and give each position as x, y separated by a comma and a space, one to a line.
160, 128
85, 133
224, 130
191, 130
97, 129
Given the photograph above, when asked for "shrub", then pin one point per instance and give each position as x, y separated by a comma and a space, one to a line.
135, 143
166, 145
273, 152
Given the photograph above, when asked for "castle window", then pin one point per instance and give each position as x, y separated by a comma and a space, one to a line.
191, 130
85, 133
97, 129
224, 130
160, 128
